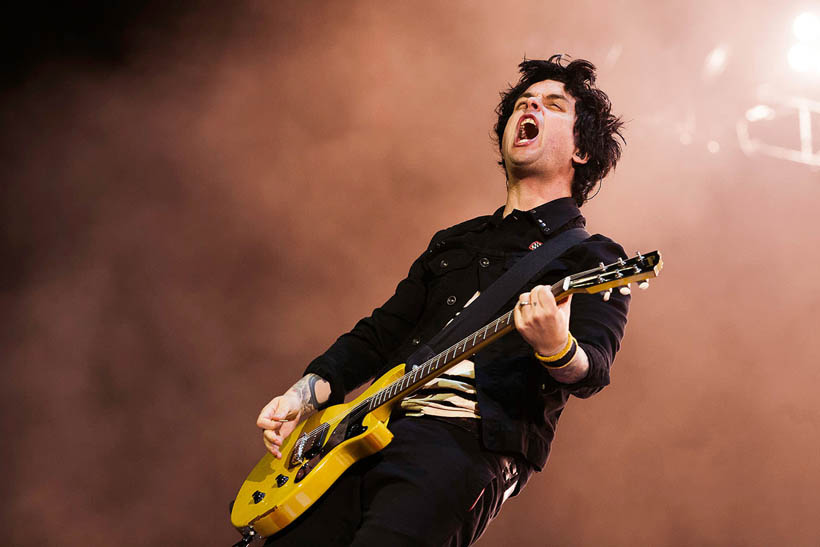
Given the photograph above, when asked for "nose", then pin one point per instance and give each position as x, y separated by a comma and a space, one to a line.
533, 103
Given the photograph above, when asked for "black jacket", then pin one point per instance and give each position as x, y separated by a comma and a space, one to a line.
518, 400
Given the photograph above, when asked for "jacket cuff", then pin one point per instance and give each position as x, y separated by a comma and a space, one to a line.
324, 367
597, 376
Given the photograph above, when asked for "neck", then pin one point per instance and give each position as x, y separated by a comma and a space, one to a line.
530, 192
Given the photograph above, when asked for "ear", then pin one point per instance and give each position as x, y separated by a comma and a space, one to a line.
578, 157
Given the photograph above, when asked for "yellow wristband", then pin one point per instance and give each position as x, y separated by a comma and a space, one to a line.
557, 356
561, 359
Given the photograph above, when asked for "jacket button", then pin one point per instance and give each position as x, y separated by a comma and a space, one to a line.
416, 341
443, 263
451, 300
484, 262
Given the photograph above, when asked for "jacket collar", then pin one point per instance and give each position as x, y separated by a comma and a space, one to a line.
548, 216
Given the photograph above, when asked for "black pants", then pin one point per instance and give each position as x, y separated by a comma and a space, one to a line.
433, 485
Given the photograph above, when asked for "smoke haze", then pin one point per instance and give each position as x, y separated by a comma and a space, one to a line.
196, 204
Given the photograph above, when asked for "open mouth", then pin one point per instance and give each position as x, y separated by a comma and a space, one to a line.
527, 130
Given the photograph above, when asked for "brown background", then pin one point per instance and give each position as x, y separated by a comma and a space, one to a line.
199, 201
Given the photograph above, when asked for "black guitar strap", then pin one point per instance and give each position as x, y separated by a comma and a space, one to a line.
489, 302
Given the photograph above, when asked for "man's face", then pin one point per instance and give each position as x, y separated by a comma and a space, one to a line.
539, 138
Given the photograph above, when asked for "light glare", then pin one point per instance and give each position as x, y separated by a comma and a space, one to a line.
802, 58
715, 62
760, 112
806, 27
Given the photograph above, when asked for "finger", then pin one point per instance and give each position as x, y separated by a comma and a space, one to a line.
273, 437
264, 422
280, 411
275, 413
525, 311
266, 419
545, 296
565, 304
518, 318
534, 297
272, 448
285, 410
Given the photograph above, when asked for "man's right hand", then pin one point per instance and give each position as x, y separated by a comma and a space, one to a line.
281, 416
278, 419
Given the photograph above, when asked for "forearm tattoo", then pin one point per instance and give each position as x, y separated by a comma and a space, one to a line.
306, 390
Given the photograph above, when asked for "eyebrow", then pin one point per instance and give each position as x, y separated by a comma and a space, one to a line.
546, 97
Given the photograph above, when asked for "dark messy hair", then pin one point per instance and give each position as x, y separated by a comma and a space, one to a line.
595, 128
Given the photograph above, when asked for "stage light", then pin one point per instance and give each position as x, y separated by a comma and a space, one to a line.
760, 112
803, 58
806, 27
715, 62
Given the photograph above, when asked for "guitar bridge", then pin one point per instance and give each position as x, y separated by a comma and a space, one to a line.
308, 445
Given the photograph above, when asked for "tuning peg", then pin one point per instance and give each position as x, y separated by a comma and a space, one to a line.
643, 285
606, 294
625, 290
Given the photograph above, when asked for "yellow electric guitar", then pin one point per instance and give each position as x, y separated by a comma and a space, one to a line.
322, 447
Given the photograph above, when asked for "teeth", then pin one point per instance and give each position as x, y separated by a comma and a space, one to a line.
522, 133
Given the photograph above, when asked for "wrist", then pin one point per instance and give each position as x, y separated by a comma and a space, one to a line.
554, 347
562, 357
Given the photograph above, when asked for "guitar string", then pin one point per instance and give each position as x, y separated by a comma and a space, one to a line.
386, 390
558, 285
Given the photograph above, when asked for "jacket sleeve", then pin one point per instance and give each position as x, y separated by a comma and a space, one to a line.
597, 325
356, 356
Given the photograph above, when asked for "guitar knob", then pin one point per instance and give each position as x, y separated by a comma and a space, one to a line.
606, 294
258, 496
643, 285
625, 290
281, 480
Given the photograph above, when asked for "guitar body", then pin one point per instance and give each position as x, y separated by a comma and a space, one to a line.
276, 492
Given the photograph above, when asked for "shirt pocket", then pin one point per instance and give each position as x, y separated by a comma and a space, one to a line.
444, 262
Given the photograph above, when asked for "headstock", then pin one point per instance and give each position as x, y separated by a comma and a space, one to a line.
638, 269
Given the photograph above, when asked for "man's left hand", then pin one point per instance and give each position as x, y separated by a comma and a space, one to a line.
543, 322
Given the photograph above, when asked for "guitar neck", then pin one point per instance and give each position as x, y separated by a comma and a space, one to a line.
437, 365
596, 280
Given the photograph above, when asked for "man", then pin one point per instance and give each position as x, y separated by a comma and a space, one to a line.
473, 436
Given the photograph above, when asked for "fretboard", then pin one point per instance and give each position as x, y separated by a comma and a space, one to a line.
436, 365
